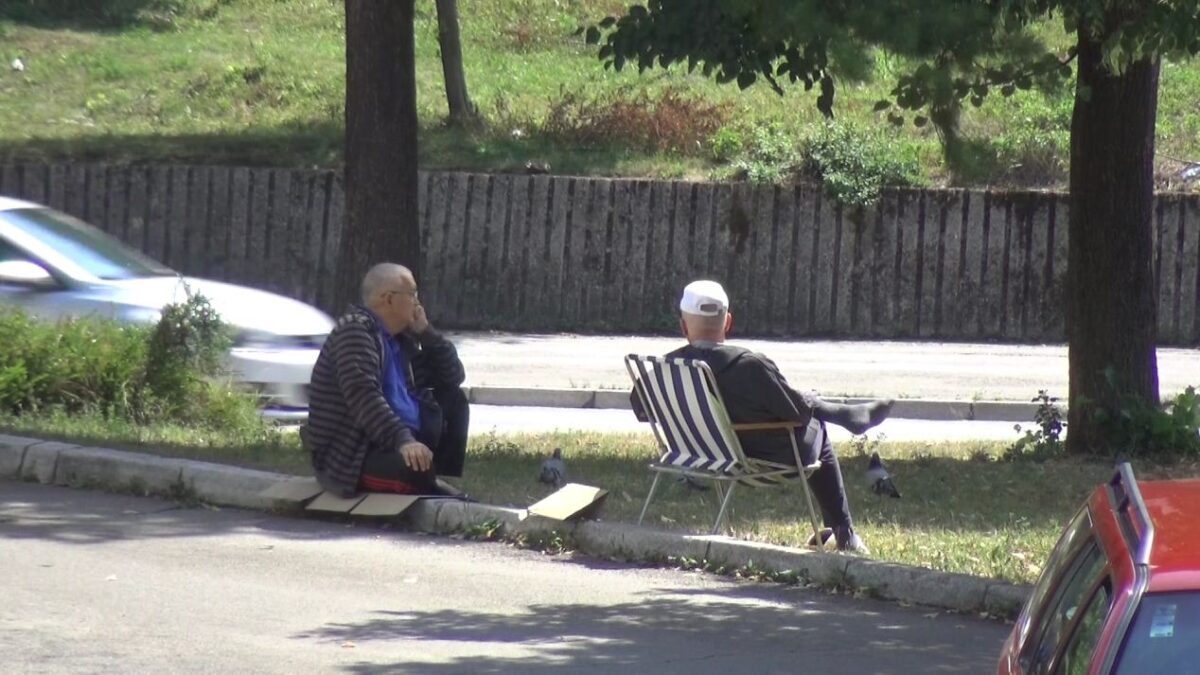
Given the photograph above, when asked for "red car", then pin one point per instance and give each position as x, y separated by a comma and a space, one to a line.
1121, 591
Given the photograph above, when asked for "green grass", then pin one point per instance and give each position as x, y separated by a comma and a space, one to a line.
962, 510
261, 82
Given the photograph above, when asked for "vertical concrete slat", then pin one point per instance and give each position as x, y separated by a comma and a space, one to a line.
74, 195
1020, 226
158, 188
994, 274
176, 219
842, 301
450, 283
95, 209
861, 231
34, 180
657, 279
1058, 295
641, 242
803, 230
575, 244
933, 252
239, 225
885, 312
1035, 320
196, 224
910, 277
683, 240
620, 268
335, 223
216, 226
517, 248
56, 190
1189, 295
755, 296
475, 250
435, 218
1166, 247
784, 275
492, 268
597, 256
540, 219
138, 213
116, 212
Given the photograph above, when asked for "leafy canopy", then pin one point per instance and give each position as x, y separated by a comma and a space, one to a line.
964, 49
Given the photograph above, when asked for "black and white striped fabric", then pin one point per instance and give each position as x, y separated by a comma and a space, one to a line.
691, 422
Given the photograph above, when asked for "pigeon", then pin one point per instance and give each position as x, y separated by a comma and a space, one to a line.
691, 483
18, 65
554, 470
879, 479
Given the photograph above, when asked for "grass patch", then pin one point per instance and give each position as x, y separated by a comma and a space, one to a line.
962, 510
262, 82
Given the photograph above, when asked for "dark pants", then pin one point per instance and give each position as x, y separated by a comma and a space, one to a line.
826, 482
384, 469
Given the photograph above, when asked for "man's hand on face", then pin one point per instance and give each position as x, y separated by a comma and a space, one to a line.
417, 456
420, 322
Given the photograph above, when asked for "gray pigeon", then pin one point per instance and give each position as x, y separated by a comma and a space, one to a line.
554, 470
879, 479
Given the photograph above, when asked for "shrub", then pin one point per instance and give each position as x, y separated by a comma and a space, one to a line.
853, 165
768, 155
167, 373
76, 365
1042, 443
1139, 429
188, 343
669, 120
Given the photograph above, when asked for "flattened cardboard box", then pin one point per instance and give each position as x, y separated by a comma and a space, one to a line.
331, 502
573, 500
384, 505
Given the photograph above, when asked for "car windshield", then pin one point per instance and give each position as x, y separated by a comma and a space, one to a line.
1164, 637
96, 252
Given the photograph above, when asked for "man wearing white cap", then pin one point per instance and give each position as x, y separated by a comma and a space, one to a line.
755, 391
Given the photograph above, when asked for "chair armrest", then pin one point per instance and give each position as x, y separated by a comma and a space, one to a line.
767, 426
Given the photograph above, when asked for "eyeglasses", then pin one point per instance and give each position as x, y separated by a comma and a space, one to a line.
413, 293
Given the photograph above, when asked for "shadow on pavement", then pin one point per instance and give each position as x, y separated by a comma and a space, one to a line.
691, 631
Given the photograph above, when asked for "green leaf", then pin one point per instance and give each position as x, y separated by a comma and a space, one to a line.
608, 21
746, 78
1008, 90
919, 121
882, 105
593, 35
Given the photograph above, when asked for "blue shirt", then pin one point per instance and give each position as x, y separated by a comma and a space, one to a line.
394, 381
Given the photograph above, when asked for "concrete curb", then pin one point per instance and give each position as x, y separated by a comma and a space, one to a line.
72, 465
615, 399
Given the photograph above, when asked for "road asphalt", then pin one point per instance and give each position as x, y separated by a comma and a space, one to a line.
99, 583
903, 370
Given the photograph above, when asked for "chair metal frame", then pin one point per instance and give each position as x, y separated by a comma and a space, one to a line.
740, 468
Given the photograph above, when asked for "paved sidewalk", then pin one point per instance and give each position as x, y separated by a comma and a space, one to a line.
932, 380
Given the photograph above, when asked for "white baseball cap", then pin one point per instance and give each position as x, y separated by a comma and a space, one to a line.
704, 298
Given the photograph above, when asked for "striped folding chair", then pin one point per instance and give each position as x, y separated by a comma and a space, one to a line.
697, 438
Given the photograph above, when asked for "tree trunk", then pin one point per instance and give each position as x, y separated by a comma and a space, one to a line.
1111, 295
461, 108
380, 223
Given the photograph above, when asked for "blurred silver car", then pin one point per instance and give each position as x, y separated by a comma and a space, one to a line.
55, 266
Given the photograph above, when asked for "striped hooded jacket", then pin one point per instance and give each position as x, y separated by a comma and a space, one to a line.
348, 414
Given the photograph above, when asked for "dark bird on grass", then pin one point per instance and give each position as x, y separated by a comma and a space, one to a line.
879, 479
691, 483
554, 470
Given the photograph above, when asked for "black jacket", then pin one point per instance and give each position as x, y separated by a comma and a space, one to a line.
754, 391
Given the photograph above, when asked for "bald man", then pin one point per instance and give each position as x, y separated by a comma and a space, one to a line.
386, 411
755, 391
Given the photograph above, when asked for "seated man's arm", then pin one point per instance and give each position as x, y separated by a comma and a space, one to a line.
358, 366
785, 403
440, 364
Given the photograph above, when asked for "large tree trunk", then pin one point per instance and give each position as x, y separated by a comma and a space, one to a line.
380, 223
1111, 306
461, 108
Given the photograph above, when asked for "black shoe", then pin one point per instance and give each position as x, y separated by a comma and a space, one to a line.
849, 542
